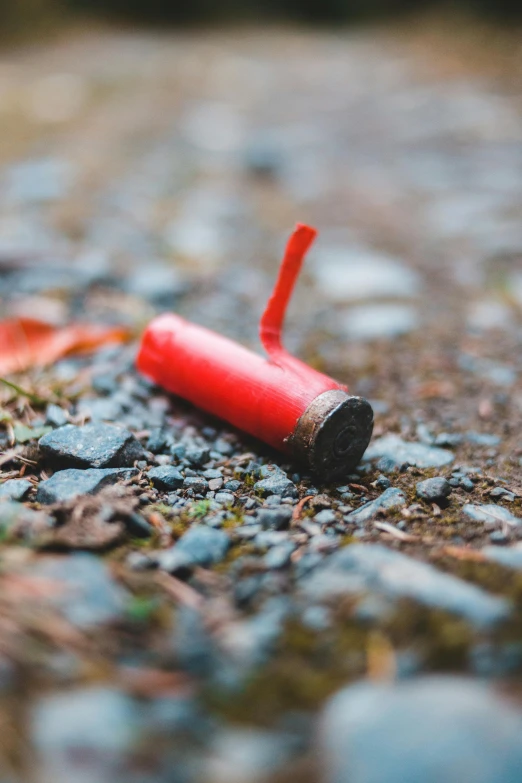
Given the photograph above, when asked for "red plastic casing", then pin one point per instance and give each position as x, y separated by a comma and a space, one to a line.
264, 397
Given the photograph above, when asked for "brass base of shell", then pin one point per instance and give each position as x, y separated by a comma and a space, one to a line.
333, 433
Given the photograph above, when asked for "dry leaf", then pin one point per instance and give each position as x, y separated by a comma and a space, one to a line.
26, 342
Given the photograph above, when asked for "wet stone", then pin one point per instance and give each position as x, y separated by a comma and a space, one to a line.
91, 446
427, 729
400, 452
491, 514
71, 483
390, 500
166, 477
434, 490
372, 567
15, 489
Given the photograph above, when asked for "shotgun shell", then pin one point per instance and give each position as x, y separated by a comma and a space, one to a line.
279, 400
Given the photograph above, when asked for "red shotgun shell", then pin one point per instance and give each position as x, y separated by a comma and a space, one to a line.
280, 400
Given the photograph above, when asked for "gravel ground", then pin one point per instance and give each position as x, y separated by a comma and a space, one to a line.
177, 602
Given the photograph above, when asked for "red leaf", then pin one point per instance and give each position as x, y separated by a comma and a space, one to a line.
25, 342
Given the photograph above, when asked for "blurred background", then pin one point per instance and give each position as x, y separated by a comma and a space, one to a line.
29, 14
155, 155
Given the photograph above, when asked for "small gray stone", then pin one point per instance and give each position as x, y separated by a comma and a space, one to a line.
71, 483
491, 514
449, 439
213, 473
197, 484
166, 477
226, 498
277, 518
55, 416
361, 568
197, 455
502, 492
233, 485
401, 452
390, 500
434, 490
200, 545
267, 471
15, 489
277, 484
279, 556
224, 447
325, 517
482, 439
269, 538
89, 595
429, 729
91, 446
159, 441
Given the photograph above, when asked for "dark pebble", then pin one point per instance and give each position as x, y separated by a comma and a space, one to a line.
166, 477
197, 484
433, 490
275, 518
197, 455
200, 545
233, 485
91, 446
279, 556
71, 483
277, 484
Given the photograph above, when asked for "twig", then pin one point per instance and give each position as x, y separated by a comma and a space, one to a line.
296, 513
